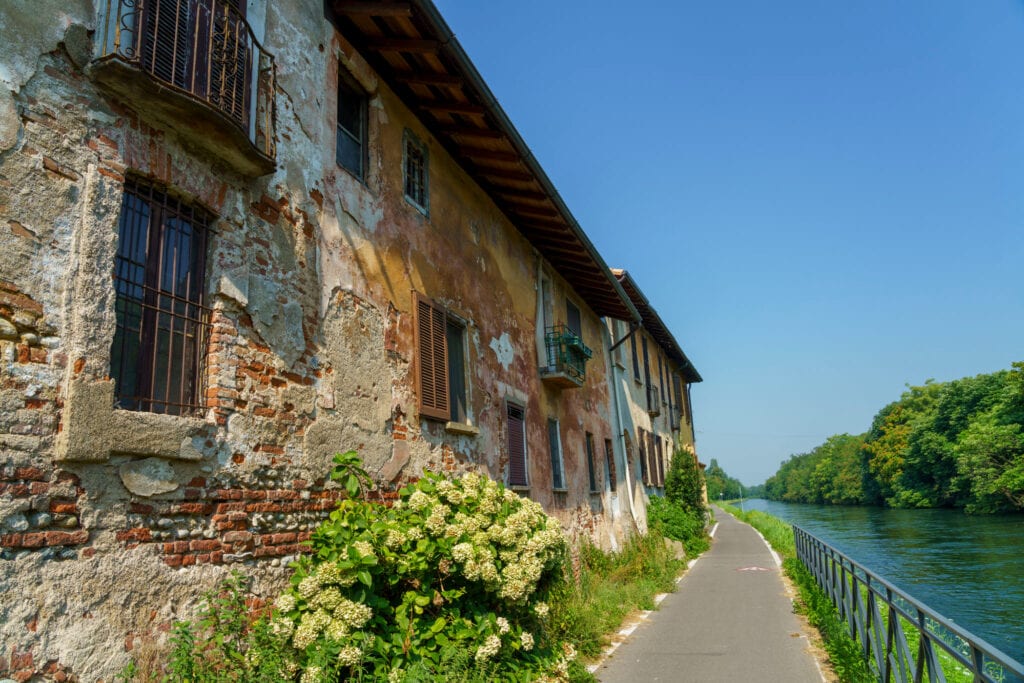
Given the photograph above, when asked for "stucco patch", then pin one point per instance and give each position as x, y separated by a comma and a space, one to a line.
149, 477
502, 347
10, 124
280, 324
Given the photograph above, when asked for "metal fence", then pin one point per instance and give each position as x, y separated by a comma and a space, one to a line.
902, 639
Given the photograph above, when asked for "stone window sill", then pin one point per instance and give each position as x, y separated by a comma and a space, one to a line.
461, 428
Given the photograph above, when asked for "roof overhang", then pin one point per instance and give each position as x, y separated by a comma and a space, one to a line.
414, 51
653, 323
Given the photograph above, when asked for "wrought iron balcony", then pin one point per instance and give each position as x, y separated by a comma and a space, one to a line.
195, 66
567, 357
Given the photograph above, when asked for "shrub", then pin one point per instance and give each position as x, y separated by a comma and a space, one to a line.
684, 484
457, 572
679, 524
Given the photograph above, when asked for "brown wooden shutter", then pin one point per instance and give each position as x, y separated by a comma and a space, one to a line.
432, 360
516, 446
641, 440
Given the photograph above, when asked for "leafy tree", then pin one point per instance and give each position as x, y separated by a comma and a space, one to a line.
684, 484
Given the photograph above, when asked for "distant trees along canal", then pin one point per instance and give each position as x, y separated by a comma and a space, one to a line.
953, 444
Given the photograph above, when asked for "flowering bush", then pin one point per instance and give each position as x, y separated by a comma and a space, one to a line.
454, 570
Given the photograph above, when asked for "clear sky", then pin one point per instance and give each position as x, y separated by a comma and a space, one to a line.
824, 199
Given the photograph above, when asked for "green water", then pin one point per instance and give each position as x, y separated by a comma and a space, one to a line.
968, 568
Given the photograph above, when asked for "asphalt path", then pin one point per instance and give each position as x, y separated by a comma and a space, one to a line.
730, 620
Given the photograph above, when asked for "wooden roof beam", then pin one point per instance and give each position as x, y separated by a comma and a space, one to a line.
454, 107
402, 45
503, 173
428, 79
489, 154
373, 9
471, 132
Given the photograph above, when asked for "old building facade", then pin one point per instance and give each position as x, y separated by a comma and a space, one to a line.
237, 238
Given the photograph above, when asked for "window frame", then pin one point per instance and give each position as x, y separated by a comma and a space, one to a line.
611, 475
161, 311
410, 142
591, 465
516, 425
558, 482
349, 84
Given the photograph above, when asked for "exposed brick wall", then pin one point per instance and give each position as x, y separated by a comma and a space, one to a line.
47, 513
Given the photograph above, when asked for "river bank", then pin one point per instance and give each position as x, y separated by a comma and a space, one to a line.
966, 568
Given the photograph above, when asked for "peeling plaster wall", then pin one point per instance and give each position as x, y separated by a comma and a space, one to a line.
112, 522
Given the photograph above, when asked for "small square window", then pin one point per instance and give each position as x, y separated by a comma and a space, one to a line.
416, 168
352, 137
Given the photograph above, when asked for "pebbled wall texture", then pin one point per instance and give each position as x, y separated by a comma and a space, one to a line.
112, 523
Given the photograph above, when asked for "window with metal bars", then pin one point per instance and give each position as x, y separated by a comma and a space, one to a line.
162, 322
416, 172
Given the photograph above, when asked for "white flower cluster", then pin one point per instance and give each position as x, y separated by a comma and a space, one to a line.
350, 655
490, 648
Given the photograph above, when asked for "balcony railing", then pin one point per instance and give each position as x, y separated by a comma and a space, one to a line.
567, 357
201, 50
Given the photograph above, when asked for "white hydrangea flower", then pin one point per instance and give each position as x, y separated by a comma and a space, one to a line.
541, 609
311, 675
526, 638
355, 614
350, 655
285, 602
365, 548
309, 586
568, 651
462, 552
503, 625
419, 500
328, 598
396, 675
283, 627
490, 648
337, 630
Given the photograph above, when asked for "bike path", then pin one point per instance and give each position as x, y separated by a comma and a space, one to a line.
730, 620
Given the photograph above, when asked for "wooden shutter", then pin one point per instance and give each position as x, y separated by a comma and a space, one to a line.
516, 446
641, 440
661, 464
432, 360
591, 471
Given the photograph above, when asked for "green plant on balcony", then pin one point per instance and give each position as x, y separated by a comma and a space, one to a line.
566, 353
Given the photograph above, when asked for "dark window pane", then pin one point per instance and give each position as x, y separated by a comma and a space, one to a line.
572, 318
456, 370
557, 480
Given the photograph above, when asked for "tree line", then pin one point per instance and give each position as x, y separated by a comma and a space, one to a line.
953, 444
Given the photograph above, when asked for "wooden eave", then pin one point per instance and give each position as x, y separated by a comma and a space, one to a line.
414, 51
653, 323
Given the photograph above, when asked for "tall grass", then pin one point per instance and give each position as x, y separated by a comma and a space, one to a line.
610, 587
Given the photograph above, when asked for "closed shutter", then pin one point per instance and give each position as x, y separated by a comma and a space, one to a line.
432, 360
516, 446
641, 440
661, 464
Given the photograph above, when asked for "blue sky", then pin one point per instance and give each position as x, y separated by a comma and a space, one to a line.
823, 199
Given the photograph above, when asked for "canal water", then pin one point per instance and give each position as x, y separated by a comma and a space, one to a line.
968, 568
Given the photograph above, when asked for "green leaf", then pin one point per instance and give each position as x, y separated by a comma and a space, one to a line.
365, 578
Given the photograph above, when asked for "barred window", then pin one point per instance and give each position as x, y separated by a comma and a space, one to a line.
162, 323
